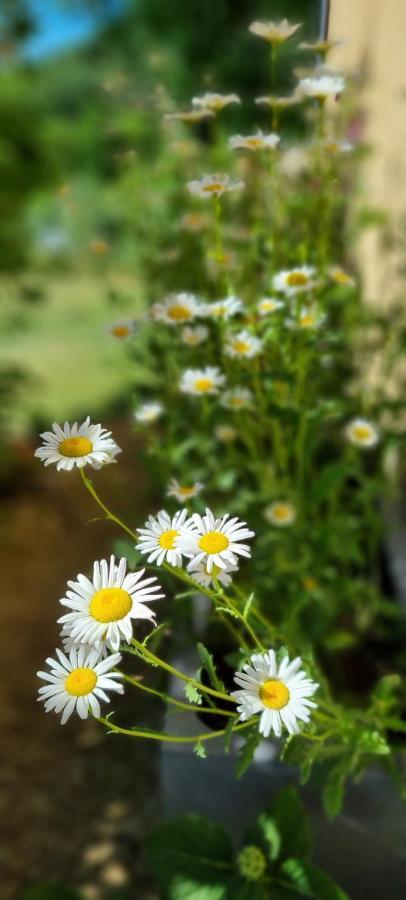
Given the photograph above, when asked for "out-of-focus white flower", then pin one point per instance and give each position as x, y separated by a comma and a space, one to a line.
278, 102
194, 336
257, 141
237, 398
226, 434
322, 86
123, 329
340, 276
190, 116
215, 102
362, 433
310, 317
177, 309
181, 492
214, 186
294, 281
242, 345
280, 693
268, 305
280, 513
202, 381
224, 309
275, 32
149, 412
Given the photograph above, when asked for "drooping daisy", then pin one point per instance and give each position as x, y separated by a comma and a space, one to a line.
215, 102
201, 574
102, 610
269, 305
224, 309
294, 281
202, 381
177, 309
214, 186
181, 492
149, 412
280, 513
237, 398
215, 542
77, 445
340, 276
322, 86
362, 433
278, 102
122, 330
226, 434
280, 692
254, 142
242, 345
77, 683
159, 538
190, 116
274, 32
194, 336
322, 46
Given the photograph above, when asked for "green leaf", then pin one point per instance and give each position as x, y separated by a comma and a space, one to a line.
246, 753
271, 839
310, 881
228, 734
241, 889
248, 604
200, 750
370, 741
208, 665
291, 822
302, 753
192, 693
230, 612
191, 851
333, 791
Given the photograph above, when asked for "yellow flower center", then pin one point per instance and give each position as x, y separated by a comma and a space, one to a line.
236, 402
213, 542
296, 279
203, 385
80, 682
274, 694
110, 604
179, 313
281, 512
213, 187
362, 432
307, 320
120, 331
341, 277
186, 491
241, 346
309, 583
167, 539
267, 306
254, 142
75, 446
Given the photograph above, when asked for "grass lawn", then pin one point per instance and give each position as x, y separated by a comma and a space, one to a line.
62, 344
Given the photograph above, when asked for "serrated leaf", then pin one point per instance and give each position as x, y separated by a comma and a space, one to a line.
290, 819
191, 851
200, 750
192, 694
230, 612
208, 665
333, 792
310, 881
248, 604
270, 834
370, 741
246, 753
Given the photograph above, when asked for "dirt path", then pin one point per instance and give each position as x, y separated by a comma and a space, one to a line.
75, 803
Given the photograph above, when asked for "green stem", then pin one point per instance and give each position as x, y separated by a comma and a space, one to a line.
178, 703
108, 514
155, 660
172, 738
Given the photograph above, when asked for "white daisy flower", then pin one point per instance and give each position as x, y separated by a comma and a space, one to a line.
237, 398
274, 32
69, 643
149, 412
294, 281
189, 115
77, 683
192, 337
77, 445
242, 345
280, 513
202, 381
160, 537
334, 147
181, 492
280, 692
340, 276
201, 574
102, 610
214, 186
216, 542
309, 317
224, 309
268, 305
278, 102
322, 86
177, 309
254, 142
362, 433
123, 329
215, 102
225, 433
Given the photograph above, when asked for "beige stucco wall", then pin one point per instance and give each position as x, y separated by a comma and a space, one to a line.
374, 32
